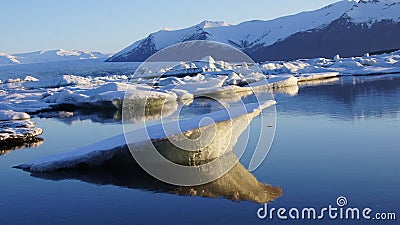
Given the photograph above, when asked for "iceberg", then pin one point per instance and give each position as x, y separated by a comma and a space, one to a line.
16, 130
16, 98
6, 115
187, 87
160, 135
111, 95
55, 82
272, 83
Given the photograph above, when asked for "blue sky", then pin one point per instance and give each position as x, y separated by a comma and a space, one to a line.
109, 26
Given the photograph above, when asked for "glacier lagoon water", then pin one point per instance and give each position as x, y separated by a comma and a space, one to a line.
334, 139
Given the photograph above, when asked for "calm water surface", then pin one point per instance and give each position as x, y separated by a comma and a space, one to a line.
340, 138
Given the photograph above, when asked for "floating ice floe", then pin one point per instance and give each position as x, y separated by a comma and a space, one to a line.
219, 83
18, 131
16, 98
365, 65
19, 80
205, 65
110, 94
316, 76
187, 87
65, 80
25, 95
234, 79
281, 67
15, 128
277, 82
6, 115
96, 154
272, 83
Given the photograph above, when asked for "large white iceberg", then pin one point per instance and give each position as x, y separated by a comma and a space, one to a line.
98, 153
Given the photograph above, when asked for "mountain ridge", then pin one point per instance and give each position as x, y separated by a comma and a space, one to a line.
49, 56
254, 36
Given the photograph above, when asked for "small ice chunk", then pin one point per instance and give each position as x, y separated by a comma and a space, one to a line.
6, 115
234, 79
254, 77
367, 61
170, 81
21, 130
193, 84
65, 80
30, 79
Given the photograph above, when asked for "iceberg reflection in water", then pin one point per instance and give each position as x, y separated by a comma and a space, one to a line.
238, 184
9, 147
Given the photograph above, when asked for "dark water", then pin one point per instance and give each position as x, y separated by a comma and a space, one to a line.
335, 139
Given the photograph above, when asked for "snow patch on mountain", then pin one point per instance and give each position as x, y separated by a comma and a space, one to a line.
48, 56
211, 24
6, 59
374, 11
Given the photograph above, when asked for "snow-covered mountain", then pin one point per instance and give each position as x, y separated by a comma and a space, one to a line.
6, 59
48, 56
347, 28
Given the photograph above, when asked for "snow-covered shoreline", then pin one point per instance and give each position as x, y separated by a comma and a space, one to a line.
31, 94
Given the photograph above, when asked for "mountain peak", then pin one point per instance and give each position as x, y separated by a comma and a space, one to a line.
211, 24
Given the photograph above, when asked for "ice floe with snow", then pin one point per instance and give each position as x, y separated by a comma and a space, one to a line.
363, 65
110, 94
96, 154
16, 128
